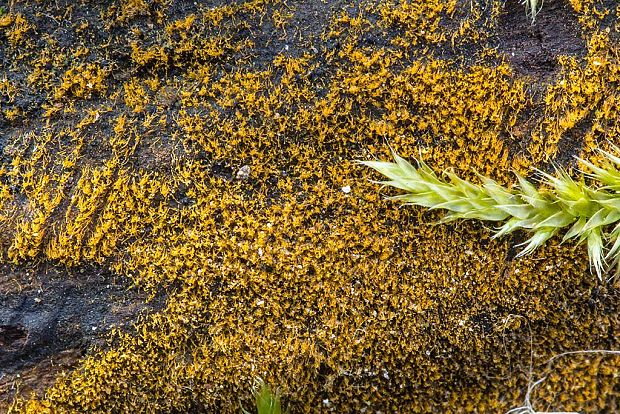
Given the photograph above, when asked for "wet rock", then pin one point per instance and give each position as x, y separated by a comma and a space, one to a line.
47, 311
533, 49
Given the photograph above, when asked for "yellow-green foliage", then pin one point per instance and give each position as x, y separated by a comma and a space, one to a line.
81, 82
560, 202
267, 401
341, 300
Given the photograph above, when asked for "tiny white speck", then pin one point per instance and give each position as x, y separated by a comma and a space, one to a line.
243, 173
346, 189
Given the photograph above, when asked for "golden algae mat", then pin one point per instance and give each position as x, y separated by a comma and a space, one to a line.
181, 210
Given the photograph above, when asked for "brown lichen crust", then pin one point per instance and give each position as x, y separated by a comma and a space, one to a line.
206, 150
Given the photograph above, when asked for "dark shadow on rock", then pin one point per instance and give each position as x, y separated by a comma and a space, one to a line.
532, 49
48, 312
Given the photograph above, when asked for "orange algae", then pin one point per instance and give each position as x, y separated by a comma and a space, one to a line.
344, 301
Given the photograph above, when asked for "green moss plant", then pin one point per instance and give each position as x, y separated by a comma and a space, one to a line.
587, 209
267, 400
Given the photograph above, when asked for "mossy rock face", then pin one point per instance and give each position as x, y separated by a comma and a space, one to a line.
202, 154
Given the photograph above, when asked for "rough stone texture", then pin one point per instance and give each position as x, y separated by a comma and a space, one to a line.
124, 125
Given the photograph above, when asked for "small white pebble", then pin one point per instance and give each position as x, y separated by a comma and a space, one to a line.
37, 300
346, 189
243, 173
